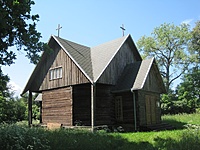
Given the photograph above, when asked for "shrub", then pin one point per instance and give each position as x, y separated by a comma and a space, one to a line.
22, 138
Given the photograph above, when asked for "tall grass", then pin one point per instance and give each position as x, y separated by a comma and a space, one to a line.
20, 137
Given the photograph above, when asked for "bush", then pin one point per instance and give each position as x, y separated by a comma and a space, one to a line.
22, 138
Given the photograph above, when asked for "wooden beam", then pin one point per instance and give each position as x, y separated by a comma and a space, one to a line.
93, 105
30, 109
40, 111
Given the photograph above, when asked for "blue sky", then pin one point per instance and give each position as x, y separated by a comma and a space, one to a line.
92, 22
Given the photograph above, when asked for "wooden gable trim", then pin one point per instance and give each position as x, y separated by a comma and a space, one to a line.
73, 59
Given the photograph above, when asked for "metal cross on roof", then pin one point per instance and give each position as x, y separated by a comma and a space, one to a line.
123, 29
59, 27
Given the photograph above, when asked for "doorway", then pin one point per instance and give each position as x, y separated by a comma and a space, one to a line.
150, 109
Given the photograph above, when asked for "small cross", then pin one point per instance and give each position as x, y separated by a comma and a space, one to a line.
59, 27
123, 29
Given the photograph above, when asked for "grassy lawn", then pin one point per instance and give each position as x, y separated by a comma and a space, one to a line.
180, 120
20, 137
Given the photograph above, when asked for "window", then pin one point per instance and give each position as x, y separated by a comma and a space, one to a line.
118, 108
55, 73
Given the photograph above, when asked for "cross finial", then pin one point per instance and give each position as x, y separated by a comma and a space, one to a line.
59, 27
123, 29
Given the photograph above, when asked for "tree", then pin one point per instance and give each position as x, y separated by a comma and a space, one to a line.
195, 44
18, 28
169, 45
189, 90
4, 79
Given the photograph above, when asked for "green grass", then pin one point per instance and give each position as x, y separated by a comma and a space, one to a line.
21, 137
180, 120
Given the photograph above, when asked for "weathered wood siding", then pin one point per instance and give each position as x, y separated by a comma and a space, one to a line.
71, 74
149, 98
104, 105
57, 106
123, 57
82, 103
144, 109
104, 110
128, 108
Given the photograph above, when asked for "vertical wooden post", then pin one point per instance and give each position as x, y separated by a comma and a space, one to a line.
40, 111
93, 105
134, 109
30, 109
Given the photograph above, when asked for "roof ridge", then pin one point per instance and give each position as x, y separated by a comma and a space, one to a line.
71, 41
105, 43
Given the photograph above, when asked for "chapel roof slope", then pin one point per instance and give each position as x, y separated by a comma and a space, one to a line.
127, 79
135, 75
92, 61
102, 55
80, 53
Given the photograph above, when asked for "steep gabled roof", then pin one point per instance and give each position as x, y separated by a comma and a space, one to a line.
81, 55
135, 75
91, 61
142, 74
102, 55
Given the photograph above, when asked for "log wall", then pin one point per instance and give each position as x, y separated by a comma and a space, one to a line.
104, 109
57, 106
127, 104
104, 105
82, 103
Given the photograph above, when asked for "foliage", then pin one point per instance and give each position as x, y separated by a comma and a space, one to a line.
18, 28
186, 98
11, 110
4, 79
195, 44
168, 44
16, 109
189, 89
19, 137
23, 138
35, 107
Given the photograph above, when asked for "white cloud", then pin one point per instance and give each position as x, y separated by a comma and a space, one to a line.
187, 21
15, 88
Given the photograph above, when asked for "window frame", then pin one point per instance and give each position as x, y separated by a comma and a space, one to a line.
118, 108
55, 73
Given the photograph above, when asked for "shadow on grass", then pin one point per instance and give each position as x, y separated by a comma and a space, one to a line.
176, 124
18, 137
72, 139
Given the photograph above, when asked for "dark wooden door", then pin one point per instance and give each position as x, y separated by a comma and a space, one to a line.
150, 109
